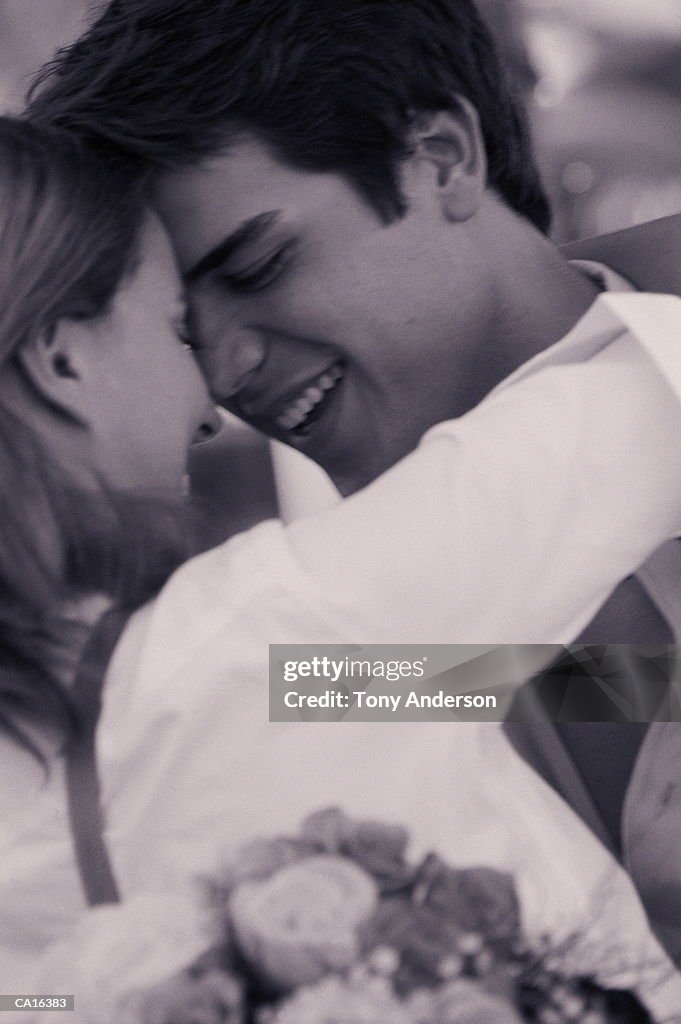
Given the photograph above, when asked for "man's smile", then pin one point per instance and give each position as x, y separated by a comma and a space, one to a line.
290, 414
303, 410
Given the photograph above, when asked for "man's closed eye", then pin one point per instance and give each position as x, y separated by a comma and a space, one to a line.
261, 273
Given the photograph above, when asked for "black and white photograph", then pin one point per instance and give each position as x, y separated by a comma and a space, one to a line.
340, 511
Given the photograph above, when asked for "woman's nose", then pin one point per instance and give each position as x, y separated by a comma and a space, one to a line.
209, 427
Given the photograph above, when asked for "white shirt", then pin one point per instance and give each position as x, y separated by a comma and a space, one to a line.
509, 525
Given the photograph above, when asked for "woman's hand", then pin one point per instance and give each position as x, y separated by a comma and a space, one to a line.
648, 255
188, 997
118, 953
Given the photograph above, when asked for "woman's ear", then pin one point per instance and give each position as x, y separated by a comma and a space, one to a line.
451, 144
50, 362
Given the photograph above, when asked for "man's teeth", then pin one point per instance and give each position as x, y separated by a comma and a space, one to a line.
297, 411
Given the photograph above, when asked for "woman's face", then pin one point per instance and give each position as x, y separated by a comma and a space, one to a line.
145, 400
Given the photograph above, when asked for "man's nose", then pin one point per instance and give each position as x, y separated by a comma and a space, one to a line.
244, 353
228, 351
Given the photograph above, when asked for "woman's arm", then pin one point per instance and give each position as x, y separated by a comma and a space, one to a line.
649, 255
514, 523
510, 525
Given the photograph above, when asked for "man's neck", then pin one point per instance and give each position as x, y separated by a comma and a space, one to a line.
541, 297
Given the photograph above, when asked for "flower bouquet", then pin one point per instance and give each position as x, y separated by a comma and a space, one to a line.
335, 925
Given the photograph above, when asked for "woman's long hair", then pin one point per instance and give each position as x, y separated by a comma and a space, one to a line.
68, 233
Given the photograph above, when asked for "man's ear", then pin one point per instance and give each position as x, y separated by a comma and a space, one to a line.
51, 364
450, 143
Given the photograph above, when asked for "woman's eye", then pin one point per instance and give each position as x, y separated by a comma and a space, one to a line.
260, 274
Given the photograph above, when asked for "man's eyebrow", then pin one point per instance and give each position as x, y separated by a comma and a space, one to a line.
248, 231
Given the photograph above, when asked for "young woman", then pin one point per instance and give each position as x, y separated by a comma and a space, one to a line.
99, 401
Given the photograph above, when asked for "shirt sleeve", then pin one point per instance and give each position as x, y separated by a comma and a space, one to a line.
514, 523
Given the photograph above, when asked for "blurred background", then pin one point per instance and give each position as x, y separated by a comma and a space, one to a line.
602, 80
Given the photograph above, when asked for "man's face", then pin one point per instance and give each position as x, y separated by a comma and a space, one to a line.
317, 323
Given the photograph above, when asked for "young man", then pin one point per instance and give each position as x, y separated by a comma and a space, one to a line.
354, 205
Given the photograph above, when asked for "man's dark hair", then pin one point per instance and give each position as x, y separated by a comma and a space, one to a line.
329, 86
